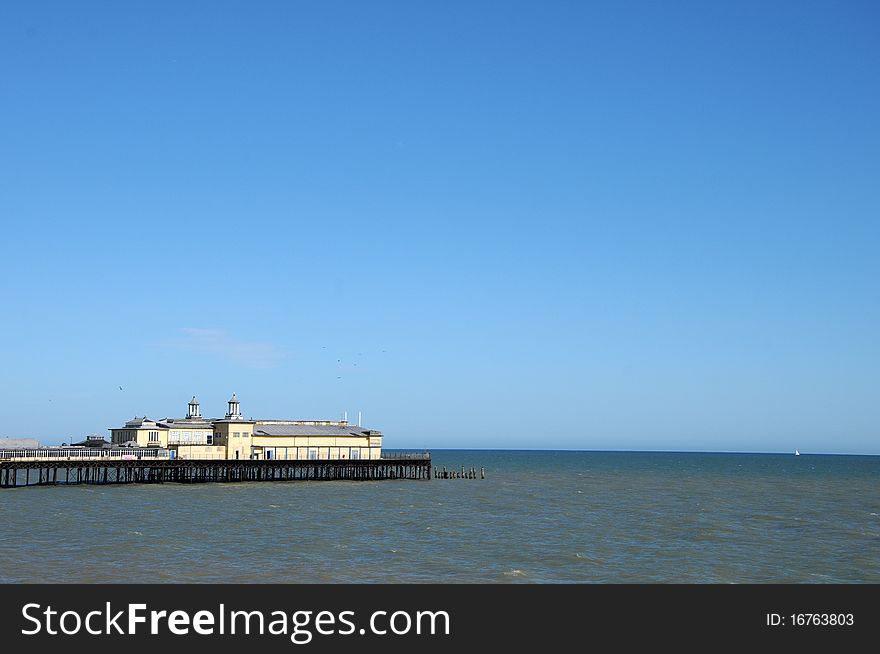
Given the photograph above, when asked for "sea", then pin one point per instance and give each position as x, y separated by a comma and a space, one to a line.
537, 517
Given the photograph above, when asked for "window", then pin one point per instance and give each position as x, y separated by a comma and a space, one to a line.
210, 438
153, 437
235, 434
355, 453
313, 453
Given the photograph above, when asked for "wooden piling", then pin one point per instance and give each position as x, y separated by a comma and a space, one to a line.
193, 471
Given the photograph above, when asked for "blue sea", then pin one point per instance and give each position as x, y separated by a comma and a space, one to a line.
537, 517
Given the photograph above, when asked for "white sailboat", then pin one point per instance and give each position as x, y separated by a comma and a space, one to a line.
796, 453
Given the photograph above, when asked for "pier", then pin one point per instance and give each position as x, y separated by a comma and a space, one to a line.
22, 473
470, 473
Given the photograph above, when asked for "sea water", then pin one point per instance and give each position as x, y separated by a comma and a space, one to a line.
537, 517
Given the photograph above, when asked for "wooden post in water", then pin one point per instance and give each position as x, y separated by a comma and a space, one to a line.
103, 471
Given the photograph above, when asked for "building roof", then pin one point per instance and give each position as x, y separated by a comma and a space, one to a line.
137, 423
312, 430
186, 423
261, 427
93, 441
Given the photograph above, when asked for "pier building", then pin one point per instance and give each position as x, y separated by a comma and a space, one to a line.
236, 438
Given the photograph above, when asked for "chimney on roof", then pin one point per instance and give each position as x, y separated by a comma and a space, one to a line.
193, 410
234, 411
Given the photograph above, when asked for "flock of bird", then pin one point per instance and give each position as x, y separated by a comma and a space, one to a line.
354, 364
323, 347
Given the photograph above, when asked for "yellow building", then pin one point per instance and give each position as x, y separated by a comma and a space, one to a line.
233, 437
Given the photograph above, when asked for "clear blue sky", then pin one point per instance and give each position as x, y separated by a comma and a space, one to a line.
618, 225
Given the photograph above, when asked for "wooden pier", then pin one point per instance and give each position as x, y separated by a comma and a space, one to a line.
17, 474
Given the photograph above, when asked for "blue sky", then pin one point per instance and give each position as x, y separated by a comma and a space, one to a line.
621, 225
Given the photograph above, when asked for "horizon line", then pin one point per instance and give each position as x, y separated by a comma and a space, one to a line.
635, 451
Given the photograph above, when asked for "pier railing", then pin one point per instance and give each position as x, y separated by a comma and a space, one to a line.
82, 453
406, 456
